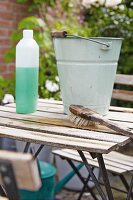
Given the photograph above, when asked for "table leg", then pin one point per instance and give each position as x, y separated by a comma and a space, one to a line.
105, 177
38, 151
84, 187
26, 148
125, 183
130, 190
82, 180
2, 191
94, 179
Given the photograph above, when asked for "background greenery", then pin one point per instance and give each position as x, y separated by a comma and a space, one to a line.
72, 16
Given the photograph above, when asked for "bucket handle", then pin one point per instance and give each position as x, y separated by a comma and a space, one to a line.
63, 34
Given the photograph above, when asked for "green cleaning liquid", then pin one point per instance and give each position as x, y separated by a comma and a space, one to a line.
26, 89
27, 67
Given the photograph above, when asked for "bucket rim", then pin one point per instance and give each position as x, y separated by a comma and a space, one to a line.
105, 38
112, 38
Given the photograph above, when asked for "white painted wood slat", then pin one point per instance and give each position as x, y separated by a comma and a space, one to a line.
93, 162
58, 140
73, 132
50, 126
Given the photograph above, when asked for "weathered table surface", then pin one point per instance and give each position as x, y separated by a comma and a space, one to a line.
49, 125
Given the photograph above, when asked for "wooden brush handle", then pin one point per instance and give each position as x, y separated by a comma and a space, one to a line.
91, 115
80, 110
112, 125
59, 34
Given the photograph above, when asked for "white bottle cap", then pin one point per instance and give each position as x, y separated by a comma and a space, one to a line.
28, 33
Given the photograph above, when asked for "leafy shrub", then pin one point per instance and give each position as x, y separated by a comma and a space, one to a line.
95, 20
113, 21
48, 78
6, 86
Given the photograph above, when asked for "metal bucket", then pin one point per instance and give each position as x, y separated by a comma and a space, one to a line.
87, 71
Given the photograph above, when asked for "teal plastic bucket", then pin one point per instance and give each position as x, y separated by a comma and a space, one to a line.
46, 192
87, 71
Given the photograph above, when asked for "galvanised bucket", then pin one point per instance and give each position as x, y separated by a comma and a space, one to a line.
87, 71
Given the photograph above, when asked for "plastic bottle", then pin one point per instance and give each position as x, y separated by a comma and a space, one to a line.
27, 67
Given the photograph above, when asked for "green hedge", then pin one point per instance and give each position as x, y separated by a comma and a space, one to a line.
97, 20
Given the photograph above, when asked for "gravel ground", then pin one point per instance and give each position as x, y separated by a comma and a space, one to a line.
70, 195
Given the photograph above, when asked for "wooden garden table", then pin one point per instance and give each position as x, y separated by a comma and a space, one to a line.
50, 126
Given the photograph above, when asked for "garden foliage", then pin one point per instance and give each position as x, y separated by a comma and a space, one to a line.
86, 18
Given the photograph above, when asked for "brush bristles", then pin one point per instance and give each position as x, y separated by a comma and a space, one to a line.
79, 121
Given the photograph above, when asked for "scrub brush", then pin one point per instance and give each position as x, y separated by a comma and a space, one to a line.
82, 116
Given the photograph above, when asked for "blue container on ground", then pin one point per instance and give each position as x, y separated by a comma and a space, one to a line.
46, 192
